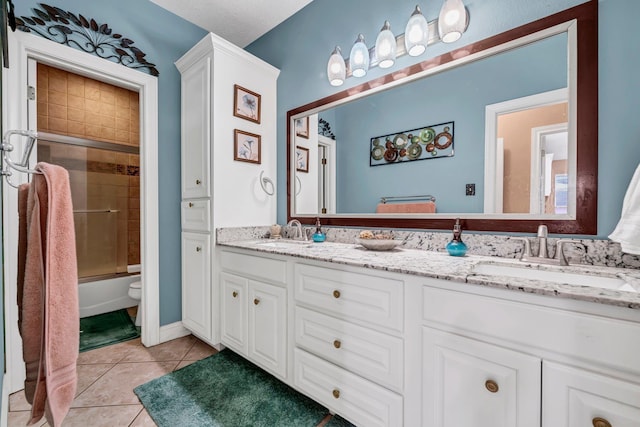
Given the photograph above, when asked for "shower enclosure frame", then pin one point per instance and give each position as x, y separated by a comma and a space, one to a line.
23, 47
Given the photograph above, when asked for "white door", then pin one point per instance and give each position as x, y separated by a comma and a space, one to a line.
196, 283
574, 397
234, 291
267, 326
475, 384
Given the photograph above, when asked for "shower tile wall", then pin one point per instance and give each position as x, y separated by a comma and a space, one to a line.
74, 105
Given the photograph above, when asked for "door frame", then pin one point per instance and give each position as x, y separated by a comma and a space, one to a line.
23, 46
537, 135
329, 175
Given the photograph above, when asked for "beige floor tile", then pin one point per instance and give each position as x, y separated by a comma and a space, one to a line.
102, 416
171, 350
88, 374
20, 418
184, 363
18, 402
110, 354
143, 420
200, 350
116, 386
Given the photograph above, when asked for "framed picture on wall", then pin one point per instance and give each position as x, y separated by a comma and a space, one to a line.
302, 127
247, 146
302, 159
246, 104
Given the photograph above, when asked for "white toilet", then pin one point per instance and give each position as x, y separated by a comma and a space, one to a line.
135, 292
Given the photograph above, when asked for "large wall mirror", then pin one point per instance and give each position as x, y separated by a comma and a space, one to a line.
501, 133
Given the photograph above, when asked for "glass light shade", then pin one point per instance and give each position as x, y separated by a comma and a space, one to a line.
336, 69
452, 20
386, 47
416, 35
359, 58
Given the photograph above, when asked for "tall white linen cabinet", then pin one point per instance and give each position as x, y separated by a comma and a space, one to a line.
225, 90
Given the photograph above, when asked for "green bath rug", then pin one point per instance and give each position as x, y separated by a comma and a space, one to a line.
225, 390
106, 329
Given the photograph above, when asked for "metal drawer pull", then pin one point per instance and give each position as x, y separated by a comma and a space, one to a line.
600, 422
337, 343
336, 393
190, 204
198, 248
256, 301
235, 294
336, 294
198, 182
492, 386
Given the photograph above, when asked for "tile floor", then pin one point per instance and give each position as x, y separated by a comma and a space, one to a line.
107, 377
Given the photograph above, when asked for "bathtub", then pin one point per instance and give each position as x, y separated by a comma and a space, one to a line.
103, 296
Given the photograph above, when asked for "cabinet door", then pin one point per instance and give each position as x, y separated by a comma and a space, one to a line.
475, 384
573, 397
196, 283
196, 129
267, 326
234, 291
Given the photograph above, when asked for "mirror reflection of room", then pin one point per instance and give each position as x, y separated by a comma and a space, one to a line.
458, 95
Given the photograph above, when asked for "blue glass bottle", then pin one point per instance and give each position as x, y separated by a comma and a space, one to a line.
456, 246
318, 236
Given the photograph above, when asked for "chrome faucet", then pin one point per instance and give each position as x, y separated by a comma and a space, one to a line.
543, 252
300, 234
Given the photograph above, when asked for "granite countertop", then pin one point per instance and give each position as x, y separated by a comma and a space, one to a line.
461, 269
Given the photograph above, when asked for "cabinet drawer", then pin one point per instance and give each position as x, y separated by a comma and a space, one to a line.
248, 265
363, 298
374, 355
196, 215
599, 339
360, 401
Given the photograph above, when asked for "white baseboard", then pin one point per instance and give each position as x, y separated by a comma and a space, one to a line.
4, 415
172, 331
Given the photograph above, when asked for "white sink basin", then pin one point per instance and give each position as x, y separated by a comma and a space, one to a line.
571, 278
285, 243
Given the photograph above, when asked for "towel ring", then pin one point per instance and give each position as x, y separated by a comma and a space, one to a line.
22, 166
263, 183
298, 185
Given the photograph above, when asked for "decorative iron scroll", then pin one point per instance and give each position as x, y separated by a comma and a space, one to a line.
63, 27
324, 128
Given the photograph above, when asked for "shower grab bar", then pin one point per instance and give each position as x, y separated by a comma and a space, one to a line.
96, 211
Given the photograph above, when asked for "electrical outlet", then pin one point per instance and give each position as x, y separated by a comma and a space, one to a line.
471, 190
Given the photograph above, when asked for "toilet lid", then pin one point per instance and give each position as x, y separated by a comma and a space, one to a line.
136, 285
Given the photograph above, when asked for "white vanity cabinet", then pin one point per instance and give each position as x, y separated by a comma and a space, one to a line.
218, 191
196, 271
493, 357
254, 309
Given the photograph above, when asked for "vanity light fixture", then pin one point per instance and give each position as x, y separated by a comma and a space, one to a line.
336, 68
452, 20
416, 35
386, 46
359, 58
419, 33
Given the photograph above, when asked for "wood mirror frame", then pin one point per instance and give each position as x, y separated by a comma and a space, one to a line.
585, 222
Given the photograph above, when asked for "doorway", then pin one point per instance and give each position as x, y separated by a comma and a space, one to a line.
24, 47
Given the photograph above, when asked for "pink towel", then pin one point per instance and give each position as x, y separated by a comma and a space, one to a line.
48, 277
421, 207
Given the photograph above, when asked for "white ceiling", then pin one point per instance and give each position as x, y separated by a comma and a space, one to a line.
238, 21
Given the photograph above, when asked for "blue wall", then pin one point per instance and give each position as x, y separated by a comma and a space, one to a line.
458, 95
164, 37
300, 48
